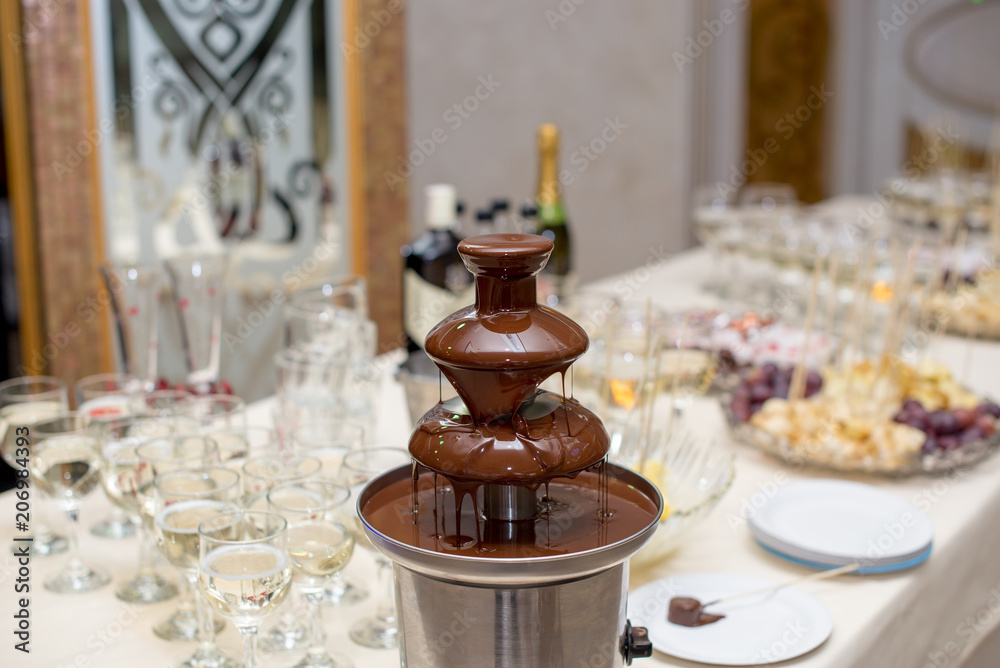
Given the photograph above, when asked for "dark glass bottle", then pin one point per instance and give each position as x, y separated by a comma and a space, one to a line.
435, 280
484, 221
556, 280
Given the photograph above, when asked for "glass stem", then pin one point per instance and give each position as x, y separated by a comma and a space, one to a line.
249, 634
75, 565
146, 563
186, 603
206, 625
386, 611
318, 648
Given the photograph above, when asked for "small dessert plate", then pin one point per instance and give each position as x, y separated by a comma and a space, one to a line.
756, 630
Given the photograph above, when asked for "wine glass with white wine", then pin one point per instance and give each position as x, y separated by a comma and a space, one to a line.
320, 546
66, 463
23, 402
184, 498
245, 570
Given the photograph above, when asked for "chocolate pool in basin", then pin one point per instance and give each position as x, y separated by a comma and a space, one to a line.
510, 533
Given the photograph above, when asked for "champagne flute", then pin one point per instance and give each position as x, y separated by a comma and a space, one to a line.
358, 469
319, 546
215, 412
328, 440
23, 402
124, 476
158, 456
184, 498
66, 463
106, 396
245, 571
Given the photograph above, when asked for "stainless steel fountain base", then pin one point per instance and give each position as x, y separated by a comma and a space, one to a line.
557, 611
579, 623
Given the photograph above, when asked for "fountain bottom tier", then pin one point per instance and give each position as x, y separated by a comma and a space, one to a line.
542, 591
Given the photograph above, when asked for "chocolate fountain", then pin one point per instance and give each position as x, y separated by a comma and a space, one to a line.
510, 533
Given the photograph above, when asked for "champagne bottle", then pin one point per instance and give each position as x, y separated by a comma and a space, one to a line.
435, 280
555, 282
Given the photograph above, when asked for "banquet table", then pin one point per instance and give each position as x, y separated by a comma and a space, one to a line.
938, 614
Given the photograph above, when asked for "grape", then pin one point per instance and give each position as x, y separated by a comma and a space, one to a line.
911, 404
741, 409
986, 425
930, 445
965, 417
943, 423
814, 382
781, 388
760, 392
769, 370
989, 408
948, 442
971, 434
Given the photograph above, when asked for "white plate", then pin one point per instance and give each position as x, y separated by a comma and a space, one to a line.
825, 561
849, 521
757, 630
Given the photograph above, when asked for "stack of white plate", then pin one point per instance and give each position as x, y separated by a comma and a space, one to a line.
828, 523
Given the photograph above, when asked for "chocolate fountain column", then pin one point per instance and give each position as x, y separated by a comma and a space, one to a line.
511, 534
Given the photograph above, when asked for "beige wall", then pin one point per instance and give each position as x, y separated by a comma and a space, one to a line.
604, 61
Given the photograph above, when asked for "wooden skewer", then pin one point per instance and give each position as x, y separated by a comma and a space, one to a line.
831, 297
812, 577
840, 356
797, 387
863, 296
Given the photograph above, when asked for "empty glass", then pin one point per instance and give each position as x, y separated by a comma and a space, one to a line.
348, 292
184, 498
320, 546
198, 293
359, 468
245, 571
718, 224
23, 402
135, 297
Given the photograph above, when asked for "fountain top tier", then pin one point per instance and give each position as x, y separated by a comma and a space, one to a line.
496, 354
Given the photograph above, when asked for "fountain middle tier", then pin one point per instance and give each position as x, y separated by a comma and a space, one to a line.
547, 437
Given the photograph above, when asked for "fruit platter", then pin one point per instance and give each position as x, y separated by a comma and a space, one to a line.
972, 308
882, 417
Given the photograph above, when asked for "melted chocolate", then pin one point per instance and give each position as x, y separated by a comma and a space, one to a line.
510, 449
569, 519
496, 354
689, 612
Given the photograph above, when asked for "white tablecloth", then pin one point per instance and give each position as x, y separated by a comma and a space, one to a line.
934, 615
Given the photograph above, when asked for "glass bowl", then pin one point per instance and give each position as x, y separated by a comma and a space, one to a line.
692, 477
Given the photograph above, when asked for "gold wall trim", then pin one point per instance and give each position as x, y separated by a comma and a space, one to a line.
96, 207
17, 134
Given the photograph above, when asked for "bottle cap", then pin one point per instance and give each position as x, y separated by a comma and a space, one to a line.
484, 215
441, 205
501, 204
529, 211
